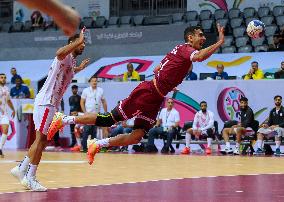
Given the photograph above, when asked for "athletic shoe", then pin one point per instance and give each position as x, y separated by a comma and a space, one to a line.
17, 173
32, 184
93, 149
277, 152
259, 152
1, 153
56, 125
237, 151
76, 148
186, 150
226, 151
208, 150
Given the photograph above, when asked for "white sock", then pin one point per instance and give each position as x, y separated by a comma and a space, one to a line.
24, 164
78, 140
103, 142
259, 144
187, 140
237, 145
209, 142
31, 170
277, 144
68, 120
228, 145
3, 140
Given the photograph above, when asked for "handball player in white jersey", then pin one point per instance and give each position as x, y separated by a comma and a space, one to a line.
4, 117
46, 104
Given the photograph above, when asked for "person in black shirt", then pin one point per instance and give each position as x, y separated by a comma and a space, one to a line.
273, 127
242, 128
280, 73
74, 103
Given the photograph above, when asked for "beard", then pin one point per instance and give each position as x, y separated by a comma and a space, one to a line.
203, 110
277, 104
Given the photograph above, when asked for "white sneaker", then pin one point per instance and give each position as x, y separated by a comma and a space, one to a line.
17, 173
226, 151
32, 184
237, 151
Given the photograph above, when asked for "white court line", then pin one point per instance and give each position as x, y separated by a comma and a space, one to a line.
45, 161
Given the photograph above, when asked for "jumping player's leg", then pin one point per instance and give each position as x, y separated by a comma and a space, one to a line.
5, 127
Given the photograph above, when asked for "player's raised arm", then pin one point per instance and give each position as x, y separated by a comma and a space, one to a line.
72, 45
205, 53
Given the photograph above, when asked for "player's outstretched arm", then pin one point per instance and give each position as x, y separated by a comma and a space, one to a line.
82, 66
64, 16
66, 50
205, 53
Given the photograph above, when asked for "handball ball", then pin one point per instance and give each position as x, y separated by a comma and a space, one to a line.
255, 29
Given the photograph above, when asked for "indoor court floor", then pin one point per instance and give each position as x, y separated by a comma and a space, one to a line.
148, 177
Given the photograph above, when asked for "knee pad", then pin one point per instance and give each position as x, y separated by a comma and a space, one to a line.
104, 120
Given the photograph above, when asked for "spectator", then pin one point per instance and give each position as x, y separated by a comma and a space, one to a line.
278, 43
20, 91
280, 73
191, 75
14, 75
131, 74
220, 74
273, 127
91, 100
74, 103
37, 19
246, 125
203, 126
254, 73
167, 125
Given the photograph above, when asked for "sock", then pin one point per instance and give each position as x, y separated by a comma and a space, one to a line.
209, 142
3, 140
277, 144
103, 142
31, 170
187, 140
228, 145
68, 120
237, 145
259, 144
24, 164
78, 140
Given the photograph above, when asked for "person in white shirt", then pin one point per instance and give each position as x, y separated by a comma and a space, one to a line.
4, 117
46, 103
203, 125
167, 125
92, 99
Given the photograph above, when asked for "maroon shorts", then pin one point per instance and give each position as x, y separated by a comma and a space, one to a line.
144, 103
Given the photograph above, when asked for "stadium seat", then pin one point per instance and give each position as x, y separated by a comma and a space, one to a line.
228, 41
234, 13
278, 10
263, 11
138, 20
191, 15
205, 15
239, 31
249, 12
280, 20
222, 22
219, 14
17, 27
28, 26
262, 48
270, 40
242, 41
267, 20
248, 20
257, 42
236, 22
194, 23
178, 18
112, 22
126, 21
207, 25
88, 22
100, 22
270, 30
245, 49
158, 20
229, 49
6, 27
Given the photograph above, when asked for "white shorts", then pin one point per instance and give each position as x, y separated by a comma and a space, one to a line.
269, 132
4, 120
42, 116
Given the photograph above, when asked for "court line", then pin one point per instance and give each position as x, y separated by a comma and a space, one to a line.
46, 161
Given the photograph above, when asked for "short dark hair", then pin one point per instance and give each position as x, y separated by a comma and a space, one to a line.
2, 74
254, 62
13, 68
202, 102
190, 31
243, 99
73, 38
277, 96
93, 77
74, 87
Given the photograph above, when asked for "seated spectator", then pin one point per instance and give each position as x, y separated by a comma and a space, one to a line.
254, 73
14, 75
167, 126
37, 19
20, 91
273, 128
280, 74
278, 43
203, 126
131, 74
191, 75
245, 126
220, 74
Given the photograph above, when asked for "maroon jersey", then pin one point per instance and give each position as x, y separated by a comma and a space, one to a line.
174, 67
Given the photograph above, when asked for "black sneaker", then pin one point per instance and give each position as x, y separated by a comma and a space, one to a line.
1, 154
